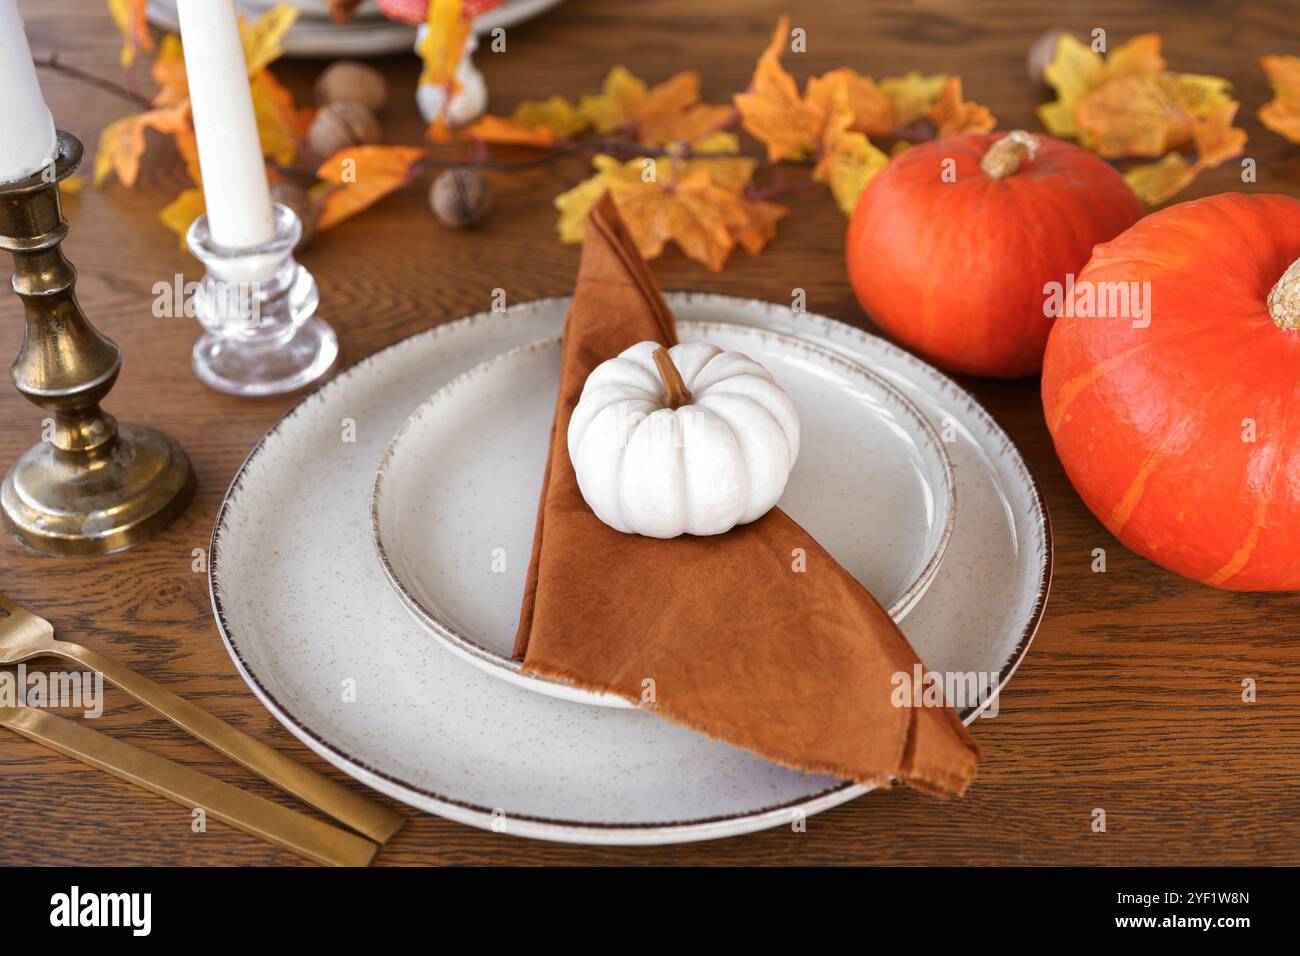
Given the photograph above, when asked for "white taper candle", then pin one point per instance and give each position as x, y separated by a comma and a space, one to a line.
230, 155
27, 142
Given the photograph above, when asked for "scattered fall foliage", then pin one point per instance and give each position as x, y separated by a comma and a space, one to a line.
687, 181
1126, 105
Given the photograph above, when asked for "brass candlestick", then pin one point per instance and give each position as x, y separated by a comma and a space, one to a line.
93, 486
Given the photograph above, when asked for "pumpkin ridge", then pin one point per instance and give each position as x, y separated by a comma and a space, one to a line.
1132, 496
1071, 390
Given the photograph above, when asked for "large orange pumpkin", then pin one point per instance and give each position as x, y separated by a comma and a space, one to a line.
951, 245
1180, 426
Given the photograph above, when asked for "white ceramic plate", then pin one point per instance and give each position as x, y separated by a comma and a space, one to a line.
368, 33
873, 484
324, 643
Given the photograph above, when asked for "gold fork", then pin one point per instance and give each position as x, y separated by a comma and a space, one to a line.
25, 636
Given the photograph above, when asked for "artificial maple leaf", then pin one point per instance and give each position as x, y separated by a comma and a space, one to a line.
362, 176
168, 72
618, 99
1282, 113
262, 37
848, 161
506, 131
281, 127
121, 144
698, 204
129, 18
668, 112
1076, 70
1126, 103
912, 95
1216, 141
953, 116
178, 214
873, 111
1132, 115
773, 112
534, 123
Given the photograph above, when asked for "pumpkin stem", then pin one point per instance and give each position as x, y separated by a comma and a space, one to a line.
678, 394
1004, 157
1284, 300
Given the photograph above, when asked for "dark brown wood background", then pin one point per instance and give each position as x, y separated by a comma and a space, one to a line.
1130, 699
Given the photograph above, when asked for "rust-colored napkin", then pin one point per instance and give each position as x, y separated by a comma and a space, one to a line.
719, 633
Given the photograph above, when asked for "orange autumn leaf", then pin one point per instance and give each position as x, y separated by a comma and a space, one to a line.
1282, 113
169, 73
362, 176
1216, 140
1133, 115
122, 143
759, 228
129, 18
773, 112
504, 131
873, 111
953, 116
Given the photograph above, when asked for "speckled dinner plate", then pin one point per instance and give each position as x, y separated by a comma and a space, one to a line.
455, 498
325, 644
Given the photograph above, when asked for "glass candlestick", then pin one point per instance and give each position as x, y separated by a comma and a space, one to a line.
257, 305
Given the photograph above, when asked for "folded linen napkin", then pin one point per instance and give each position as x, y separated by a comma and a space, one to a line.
721, 633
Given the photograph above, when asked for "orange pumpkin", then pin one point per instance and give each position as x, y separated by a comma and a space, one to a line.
951, 245
1179, 425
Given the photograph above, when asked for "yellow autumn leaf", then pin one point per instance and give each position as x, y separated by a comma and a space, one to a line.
912, 95
848, 162
575, 203
444, 42
279, 126
1156, 182
262, 37
129, 18
556, 114
362, 175
183, 210
620, 95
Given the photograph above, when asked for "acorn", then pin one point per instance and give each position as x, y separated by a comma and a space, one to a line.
342, 124
350, 80
460, 198
299, 200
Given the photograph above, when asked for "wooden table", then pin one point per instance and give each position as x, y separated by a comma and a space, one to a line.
1130, 698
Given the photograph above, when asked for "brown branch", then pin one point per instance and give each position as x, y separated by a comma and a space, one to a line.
52, 62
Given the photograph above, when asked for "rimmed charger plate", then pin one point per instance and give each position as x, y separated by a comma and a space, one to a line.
323, 642
873, 484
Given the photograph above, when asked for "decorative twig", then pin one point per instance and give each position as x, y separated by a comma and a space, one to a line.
52, 62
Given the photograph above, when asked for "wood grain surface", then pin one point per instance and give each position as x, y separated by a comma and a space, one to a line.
1130, 698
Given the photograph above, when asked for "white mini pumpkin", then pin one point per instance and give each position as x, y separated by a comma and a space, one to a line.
687, 440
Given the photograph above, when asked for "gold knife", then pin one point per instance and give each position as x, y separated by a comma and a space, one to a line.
255, 815
25, 636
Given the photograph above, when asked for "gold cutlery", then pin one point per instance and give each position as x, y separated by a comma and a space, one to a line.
255, 815
25, 636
